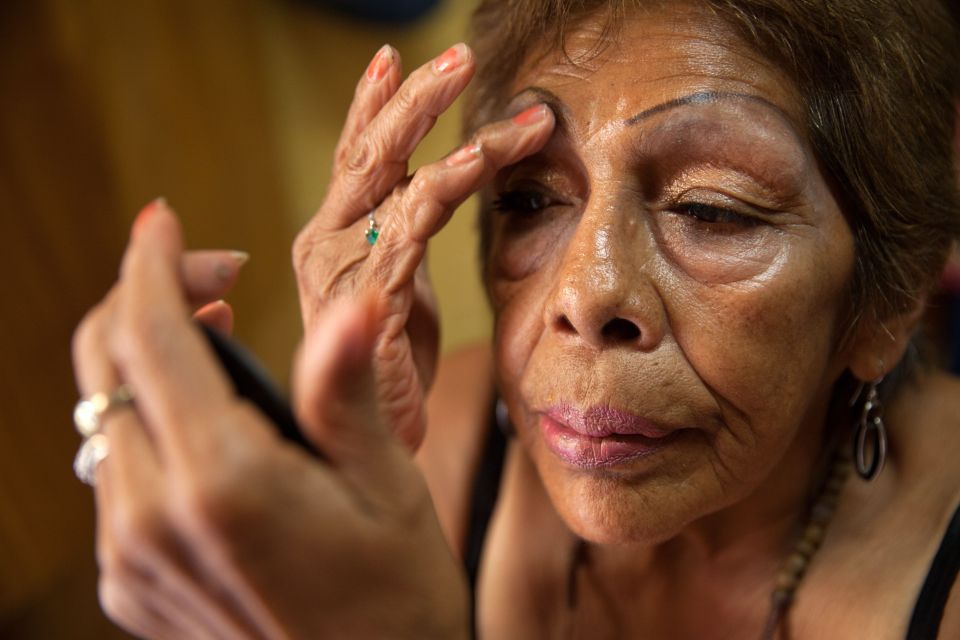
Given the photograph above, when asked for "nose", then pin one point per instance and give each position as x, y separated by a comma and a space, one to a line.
604, 295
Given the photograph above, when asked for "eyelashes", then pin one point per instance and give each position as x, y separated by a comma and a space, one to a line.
522, 202
526, 204
713, 215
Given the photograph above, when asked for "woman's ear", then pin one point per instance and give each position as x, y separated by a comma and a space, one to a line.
879, 344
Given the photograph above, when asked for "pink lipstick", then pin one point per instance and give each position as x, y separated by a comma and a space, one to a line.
601, 436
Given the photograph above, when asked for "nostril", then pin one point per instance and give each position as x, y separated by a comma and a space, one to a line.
620, 330
564, 325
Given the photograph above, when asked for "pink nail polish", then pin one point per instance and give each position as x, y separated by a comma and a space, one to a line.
464, 154
380, 64
145, 215
449, 59
530, 115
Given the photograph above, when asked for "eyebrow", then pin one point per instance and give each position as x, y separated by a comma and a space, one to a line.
702, 98
562, 112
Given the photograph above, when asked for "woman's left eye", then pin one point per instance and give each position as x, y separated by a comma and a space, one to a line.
714, 215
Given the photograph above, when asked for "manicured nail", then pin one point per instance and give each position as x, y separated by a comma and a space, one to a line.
380, 64
530, 115
146, 213
464, 154
227, 270
450, 59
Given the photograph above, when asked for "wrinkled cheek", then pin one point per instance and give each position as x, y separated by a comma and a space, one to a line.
764, 345
518, 311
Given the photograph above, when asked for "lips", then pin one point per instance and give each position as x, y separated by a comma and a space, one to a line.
600, 422
602, 436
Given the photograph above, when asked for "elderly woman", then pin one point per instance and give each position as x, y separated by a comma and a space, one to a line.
709, 230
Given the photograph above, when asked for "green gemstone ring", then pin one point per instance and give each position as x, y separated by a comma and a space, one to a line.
373, 231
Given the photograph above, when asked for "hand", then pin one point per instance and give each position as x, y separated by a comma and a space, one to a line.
385, 123
208, 524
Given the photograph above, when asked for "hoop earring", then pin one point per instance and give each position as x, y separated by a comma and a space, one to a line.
870, 436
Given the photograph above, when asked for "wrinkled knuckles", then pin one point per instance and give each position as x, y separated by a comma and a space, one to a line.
408, 104
423, 187
341, 155
302, 251
364, 160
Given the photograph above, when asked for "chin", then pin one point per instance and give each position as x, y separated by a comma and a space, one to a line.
609, 508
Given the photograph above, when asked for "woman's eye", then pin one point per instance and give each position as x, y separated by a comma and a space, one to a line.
524, 202
714, 215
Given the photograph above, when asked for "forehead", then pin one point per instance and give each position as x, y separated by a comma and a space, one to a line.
655, 57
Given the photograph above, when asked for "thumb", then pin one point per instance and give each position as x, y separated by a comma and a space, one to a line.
336, 401
216, 315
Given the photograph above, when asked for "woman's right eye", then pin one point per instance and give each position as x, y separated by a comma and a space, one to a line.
522, 202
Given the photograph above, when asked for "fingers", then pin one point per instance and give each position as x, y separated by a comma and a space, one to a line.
149, 584
378, 157
436, 190
375, 88
217, 315
336, 399
209, 275
159, 351
206, 276
139, 548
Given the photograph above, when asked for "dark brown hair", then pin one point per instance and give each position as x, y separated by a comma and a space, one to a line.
879, 80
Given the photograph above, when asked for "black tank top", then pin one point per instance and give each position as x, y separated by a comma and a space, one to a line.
927, 612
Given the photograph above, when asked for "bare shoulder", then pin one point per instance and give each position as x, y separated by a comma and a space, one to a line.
457, 415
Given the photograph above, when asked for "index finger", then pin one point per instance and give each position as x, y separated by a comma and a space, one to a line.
377, 85
377, 160
181, 392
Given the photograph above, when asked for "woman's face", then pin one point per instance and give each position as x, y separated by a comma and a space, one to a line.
669, 277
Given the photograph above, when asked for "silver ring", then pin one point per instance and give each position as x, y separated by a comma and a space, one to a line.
88, 413
373, 230
91, 453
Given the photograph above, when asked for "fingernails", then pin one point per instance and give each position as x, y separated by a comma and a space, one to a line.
450, 59
228, 269
145, 214
531, 115
380, 64
464, 154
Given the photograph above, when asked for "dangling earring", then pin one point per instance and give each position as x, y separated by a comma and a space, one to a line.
870, 436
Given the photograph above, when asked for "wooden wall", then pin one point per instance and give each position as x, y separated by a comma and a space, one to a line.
229, 109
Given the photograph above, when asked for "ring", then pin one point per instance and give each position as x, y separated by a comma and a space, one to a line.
91, 453
373, 231
88, 413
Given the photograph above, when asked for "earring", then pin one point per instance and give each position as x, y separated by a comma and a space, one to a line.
870, 436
